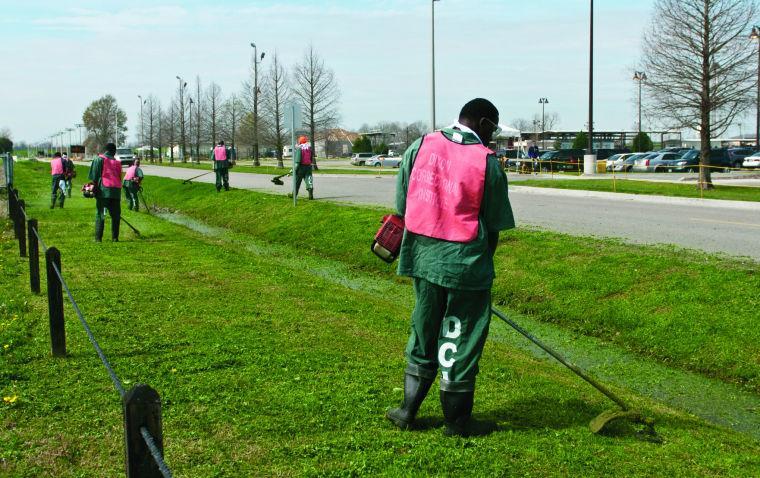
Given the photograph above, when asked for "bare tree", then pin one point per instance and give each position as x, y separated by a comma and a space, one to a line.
231, 113
700, 66
522, 124
159, 131
213, 110
314, 86
152, 107
171, 128
276, 94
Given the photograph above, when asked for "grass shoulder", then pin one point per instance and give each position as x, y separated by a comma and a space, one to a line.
734, 193
248, 167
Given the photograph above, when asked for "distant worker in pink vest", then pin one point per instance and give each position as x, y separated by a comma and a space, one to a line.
105, 173
69, 172
132, 185
57, 171
220, 156
452, 194
305, 162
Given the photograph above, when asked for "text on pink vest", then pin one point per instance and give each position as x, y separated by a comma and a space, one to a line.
220, 153
111, 177
446, 189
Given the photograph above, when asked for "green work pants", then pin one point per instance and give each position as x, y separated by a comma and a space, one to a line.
56, 192
222, 178
113, 206
130, 193
449, 329
303, 173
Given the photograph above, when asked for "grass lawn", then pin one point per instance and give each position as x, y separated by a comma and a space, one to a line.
245, 167
735, 193
276, 353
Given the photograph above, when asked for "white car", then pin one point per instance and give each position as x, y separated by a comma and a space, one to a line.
384, 161
359, 159
125, 156
752, 161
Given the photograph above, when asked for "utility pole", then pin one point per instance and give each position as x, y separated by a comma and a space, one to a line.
182, 85
755, 35
432, 64
256, 61
589, 161
543, 102
641, 77
69, 130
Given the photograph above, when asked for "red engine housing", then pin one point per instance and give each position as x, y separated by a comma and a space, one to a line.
387, 242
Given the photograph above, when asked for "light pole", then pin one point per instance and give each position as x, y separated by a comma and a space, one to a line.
543, 102
69, 130
182, 85
755, 35
641, 77
432, 64
79, 127
142, 131
256, 61
589, 162
190, 126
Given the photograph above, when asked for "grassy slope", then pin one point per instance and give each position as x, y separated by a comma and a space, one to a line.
690, 309
288, 378
736, 193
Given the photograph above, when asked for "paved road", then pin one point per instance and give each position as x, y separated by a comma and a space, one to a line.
730, 227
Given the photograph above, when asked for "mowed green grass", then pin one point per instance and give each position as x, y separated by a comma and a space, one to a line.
734, 193
268, 369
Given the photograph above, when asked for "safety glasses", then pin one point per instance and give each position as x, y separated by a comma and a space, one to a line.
496, 128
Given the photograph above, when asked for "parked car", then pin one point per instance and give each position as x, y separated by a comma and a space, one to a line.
125, 156
688, 162
737, 155
752, 161
654, 162
565, 160
616, 160
358, 159
627, 164
604, 153
384, 161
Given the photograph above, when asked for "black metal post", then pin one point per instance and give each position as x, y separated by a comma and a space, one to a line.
34, 256
757, 127
55, 303
142, 408
21, 230
13, 209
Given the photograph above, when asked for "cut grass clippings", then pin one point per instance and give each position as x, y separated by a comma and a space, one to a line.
690, 190
266, 369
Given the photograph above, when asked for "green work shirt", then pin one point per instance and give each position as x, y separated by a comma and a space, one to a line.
96, 176
456, 265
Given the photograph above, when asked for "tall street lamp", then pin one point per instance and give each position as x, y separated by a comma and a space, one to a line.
182, 85
543, 102
256, 61
755, 35
589, 162
432, 64
142, 132
641, 77
69, 130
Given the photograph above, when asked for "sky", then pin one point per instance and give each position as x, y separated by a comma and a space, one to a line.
60, 56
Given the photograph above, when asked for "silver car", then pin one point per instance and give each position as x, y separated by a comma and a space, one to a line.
384, 161
615, 161
655, 162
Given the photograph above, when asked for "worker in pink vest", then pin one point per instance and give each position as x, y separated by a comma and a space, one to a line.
105, 173
452, 194
305, 161
132, 185
57, 172
220, 156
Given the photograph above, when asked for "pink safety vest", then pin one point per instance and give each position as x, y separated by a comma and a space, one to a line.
56, 166
130, 174
111, 172
446, 189
220, 153
305, 154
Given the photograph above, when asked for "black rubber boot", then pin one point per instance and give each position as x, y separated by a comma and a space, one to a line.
52, 202
99, 226
457, 413
311, 193
415, 390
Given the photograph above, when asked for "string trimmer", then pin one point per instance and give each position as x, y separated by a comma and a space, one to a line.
130, 226
196, 177
603, 421
277, 179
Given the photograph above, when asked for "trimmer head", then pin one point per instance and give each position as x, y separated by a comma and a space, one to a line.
606, 420
277, 181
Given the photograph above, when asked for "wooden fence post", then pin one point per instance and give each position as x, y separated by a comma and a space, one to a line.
55, 303
13, 209
142, 408
34, 256
21, 229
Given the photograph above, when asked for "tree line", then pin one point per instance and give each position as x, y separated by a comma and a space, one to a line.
198, 115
